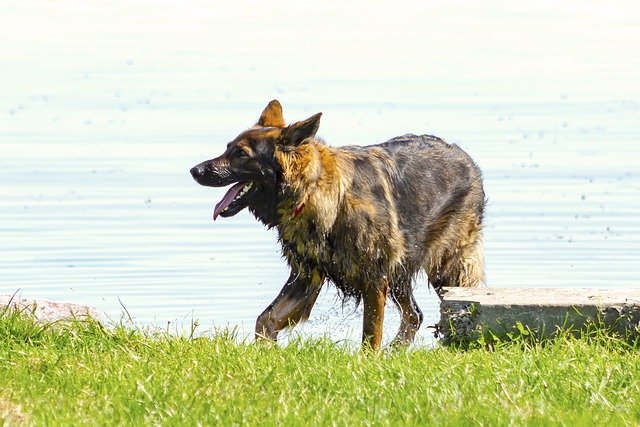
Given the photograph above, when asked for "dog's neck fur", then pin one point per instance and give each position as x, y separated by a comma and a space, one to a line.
308, 205
314, 190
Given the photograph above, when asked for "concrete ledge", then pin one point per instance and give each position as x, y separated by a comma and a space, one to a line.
467, 314
44, 311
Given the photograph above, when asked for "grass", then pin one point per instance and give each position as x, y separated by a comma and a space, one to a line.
85, 374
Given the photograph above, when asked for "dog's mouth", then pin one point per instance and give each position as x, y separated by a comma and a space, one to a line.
234, 200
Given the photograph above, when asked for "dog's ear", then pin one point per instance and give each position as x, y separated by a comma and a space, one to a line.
272, 115
295, 133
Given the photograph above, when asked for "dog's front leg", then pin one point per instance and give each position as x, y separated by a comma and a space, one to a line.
292, 305
374, 300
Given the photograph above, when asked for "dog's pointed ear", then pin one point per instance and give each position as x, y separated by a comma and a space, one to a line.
272, 116
295, 133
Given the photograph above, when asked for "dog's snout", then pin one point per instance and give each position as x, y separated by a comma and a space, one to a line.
196, 171
211, 173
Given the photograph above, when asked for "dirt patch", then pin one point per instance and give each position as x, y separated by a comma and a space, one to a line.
45, 311
11, 413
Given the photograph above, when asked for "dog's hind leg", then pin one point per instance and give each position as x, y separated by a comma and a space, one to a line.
402, 296
292, 305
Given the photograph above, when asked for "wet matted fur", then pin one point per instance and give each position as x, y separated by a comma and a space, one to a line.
367, 219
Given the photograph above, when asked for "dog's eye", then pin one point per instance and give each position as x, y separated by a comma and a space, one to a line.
240, 152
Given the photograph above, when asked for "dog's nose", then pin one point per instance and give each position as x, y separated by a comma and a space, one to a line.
196, 171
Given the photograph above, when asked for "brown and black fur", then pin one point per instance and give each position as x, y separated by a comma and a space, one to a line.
367, 219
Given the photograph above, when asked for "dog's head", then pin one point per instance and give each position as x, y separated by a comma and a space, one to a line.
250, 162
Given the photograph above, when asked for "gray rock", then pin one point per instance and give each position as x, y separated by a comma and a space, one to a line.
468, 314
45, 311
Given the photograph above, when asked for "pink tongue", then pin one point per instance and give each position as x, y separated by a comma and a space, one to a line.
228, 198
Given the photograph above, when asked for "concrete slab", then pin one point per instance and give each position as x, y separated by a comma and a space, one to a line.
45, 311
466, 314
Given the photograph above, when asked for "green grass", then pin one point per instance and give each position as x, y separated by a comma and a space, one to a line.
84, 374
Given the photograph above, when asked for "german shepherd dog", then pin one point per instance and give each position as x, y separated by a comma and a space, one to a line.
367, 219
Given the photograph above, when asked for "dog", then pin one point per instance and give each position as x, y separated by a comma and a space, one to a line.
367, 219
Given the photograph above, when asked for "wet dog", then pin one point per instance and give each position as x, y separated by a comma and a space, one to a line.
367, 219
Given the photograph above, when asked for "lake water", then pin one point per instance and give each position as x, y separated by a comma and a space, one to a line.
105, 107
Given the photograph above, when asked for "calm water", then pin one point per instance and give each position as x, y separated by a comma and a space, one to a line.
103, 111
